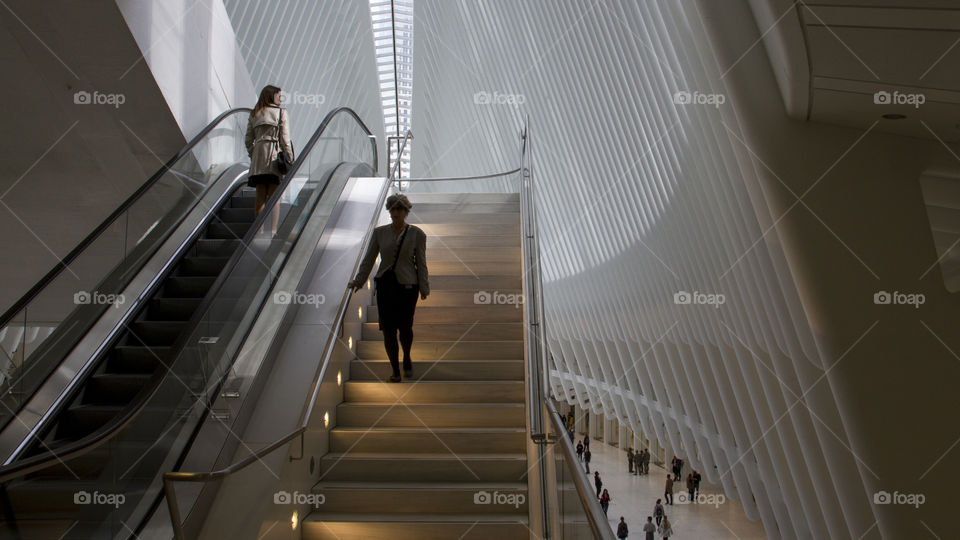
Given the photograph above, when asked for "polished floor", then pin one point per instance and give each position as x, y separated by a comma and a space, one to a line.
633, 497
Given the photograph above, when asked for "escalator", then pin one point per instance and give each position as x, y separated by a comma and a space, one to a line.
144, 345
90, 466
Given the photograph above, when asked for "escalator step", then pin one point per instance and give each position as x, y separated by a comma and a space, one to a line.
171, 309
211, 247
187, 287
113, 388
202, 266
153, 333
236, 215
242, 201
78, 421
137, 359
226, 231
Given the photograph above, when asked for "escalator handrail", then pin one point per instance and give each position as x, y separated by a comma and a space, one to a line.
84, 445
63, 263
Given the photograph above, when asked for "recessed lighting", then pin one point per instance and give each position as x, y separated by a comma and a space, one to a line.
894, 116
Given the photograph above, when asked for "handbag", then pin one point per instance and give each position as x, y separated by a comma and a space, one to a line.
389, 278
284, 162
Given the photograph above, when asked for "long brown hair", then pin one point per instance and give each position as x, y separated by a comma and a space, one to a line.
268, 98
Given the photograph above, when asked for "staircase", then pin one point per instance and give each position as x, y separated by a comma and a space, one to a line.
442, 455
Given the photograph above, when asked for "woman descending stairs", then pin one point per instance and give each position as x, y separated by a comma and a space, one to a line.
441, 455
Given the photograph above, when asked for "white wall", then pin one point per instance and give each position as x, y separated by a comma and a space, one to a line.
786, 387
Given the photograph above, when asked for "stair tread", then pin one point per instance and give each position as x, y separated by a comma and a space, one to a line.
416, 456
437, 405
414, 518
419, 429
344, 484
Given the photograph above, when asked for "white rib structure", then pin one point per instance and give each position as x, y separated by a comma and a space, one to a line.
650, 215
320, 53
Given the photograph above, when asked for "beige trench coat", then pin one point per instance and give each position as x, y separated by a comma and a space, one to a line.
261, 140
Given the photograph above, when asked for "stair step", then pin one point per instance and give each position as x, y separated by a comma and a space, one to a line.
455, 331
468, 297
465, 229
353, 526
137, 359
423, 497
492, 313
379, 467
435, 392
474, 268
429, 440
236, 215
226, 231
432, 415
477, 241
154, 333
464, 198
479, 218
447, 350
242, 200
442, 370
113, 388
171, 309
464, 207
460, 282
78, 421
210, 247
187, 287
202, 266
438, 253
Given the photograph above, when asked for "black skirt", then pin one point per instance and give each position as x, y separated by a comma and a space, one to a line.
396, 304
255, 180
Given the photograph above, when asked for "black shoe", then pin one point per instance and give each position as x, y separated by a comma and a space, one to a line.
394, 378
408, 372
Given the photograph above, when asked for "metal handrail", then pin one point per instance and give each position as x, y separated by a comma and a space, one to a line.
170, 477
392, 172
454, 178
82, 446
595, 516
63, 263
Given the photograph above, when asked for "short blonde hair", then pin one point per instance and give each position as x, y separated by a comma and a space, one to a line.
398, 199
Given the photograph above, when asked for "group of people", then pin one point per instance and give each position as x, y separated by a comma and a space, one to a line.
650, 530
402, 277
583, 453
638, 462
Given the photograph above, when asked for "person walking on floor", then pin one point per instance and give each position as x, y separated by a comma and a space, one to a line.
668, 491
622, 531
646, 461
665, 529
586, 458
402, 276
658, 512
630, 460
649, 529
690, 489
570, 434
679, 473
605, 501
696, 482
597, 482
579, 451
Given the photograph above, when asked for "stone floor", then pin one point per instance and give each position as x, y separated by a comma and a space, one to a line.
633, 497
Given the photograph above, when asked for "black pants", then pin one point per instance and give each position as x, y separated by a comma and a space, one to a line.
396, 305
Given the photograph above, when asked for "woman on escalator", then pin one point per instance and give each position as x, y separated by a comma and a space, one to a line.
267, 137
402, 276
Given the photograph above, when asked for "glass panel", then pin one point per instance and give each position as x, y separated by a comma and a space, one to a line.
50, 325
172, 409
